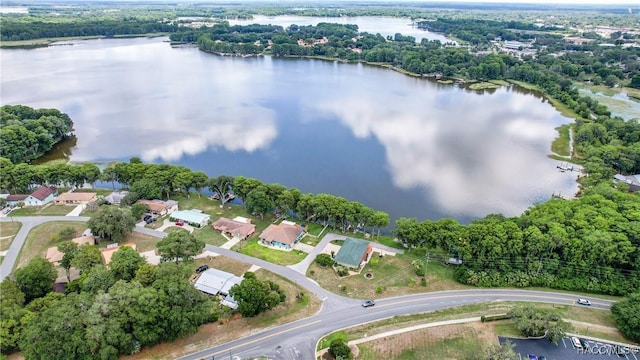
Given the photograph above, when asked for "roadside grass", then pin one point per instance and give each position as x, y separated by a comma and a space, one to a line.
42, 210
446, 342
392, 276
39, 239
561, 145
252, 248
236, 327
8, 231
325, 342
488, 330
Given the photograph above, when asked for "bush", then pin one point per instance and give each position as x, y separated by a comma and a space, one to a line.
379, 289
374, 261
339, 349
324, 260
342, 271
423, 282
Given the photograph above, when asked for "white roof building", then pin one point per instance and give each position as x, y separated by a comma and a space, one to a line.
216, 282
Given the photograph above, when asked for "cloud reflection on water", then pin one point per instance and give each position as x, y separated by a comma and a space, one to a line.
471, 162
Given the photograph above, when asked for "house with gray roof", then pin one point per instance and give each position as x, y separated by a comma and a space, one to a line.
192, 217
354, 253
632, 180
216, 282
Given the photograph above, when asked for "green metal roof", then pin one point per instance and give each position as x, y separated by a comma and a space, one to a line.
351, 252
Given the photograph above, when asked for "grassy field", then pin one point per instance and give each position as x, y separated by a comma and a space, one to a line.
483, 85
225, 264
209, 236
143, 242
252, 248
392, 276
8, 231
39, 239
43, 210
236, 327
560, 145
422, 344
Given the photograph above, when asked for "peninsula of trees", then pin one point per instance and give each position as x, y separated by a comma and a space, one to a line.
26, 133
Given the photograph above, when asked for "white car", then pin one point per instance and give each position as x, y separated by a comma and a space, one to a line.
576, 342
584, 302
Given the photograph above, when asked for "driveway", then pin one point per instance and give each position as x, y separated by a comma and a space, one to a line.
169, 223
77, 210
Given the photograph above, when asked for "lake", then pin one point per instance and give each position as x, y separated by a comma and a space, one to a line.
385, 26
404, 145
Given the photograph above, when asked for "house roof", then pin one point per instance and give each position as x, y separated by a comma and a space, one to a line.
191, 216
214, 281
234, 227
154, 205
17, 197
108, 253
76, 196
282, 233
54, 255
116, 196
351, 252
43, 192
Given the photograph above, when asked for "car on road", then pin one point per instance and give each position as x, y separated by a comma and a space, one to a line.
584, 302
368, 303
202, 268
532, 357
542, 358
179, 223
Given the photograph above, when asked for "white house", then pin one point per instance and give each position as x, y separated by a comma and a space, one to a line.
217, 282
42, 196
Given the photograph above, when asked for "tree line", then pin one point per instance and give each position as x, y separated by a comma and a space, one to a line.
26, 133
589, 244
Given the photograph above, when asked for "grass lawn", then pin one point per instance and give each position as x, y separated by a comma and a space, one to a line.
212, 207
252, 248
209, 236
310, 240
392, 276
143, 242
39, 239
560, 145
236, 327
314, 228
43, 210
7, 232
224, 263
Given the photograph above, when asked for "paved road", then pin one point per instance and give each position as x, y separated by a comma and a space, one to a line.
28, 223
297, 340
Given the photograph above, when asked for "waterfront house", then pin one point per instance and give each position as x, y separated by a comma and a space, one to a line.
192, 217
284, 235
239, 227
115, 197
42, 196
354, 253
159, 207
75, 198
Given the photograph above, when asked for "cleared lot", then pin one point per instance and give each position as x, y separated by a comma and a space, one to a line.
565, 350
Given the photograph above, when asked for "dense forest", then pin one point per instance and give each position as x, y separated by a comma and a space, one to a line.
26, 133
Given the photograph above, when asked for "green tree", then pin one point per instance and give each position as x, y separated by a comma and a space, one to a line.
179, 245
255, 296
146, 189
627, 315
537, 322
97, 279
111, 223
125, 262
137, 210
379, 220
198, 181
339, 349
635, 81
86, 257
36, 279
258, 203
146, 274
11, 308
242, 186
221, 185
68, 250
504, 351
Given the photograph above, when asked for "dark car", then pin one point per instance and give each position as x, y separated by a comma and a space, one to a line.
542, 358
532, 357
584, 342
368, 303
202, 268
146, 217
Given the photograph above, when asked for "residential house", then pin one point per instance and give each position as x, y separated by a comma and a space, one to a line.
159, 207
192, 217
42, 196
284, 235
632, 180
54, 255
13, 200
112, 248
239, 227
216, 282
115, 197
75, 198
354, 253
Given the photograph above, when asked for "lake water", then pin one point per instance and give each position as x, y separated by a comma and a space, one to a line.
386, 26
405, 145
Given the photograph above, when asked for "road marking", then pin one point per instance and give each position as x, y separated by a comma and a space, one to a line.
563, 343
264, 338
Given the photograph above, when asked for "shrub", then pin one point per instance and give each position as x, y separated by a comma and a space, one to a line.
374, 261
339, 349
379, 289
423, 282
342, 271
324, 260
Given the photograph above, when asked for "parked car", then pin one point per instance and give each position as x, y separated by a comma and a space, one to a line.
202, 268
6, 210
146, 217
542, 357
584, 302
368, 303
532, 357
576, 342
179, 223
584, 342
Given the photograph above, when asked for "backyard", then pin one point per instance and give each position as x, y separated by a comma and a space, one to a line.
42, 237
